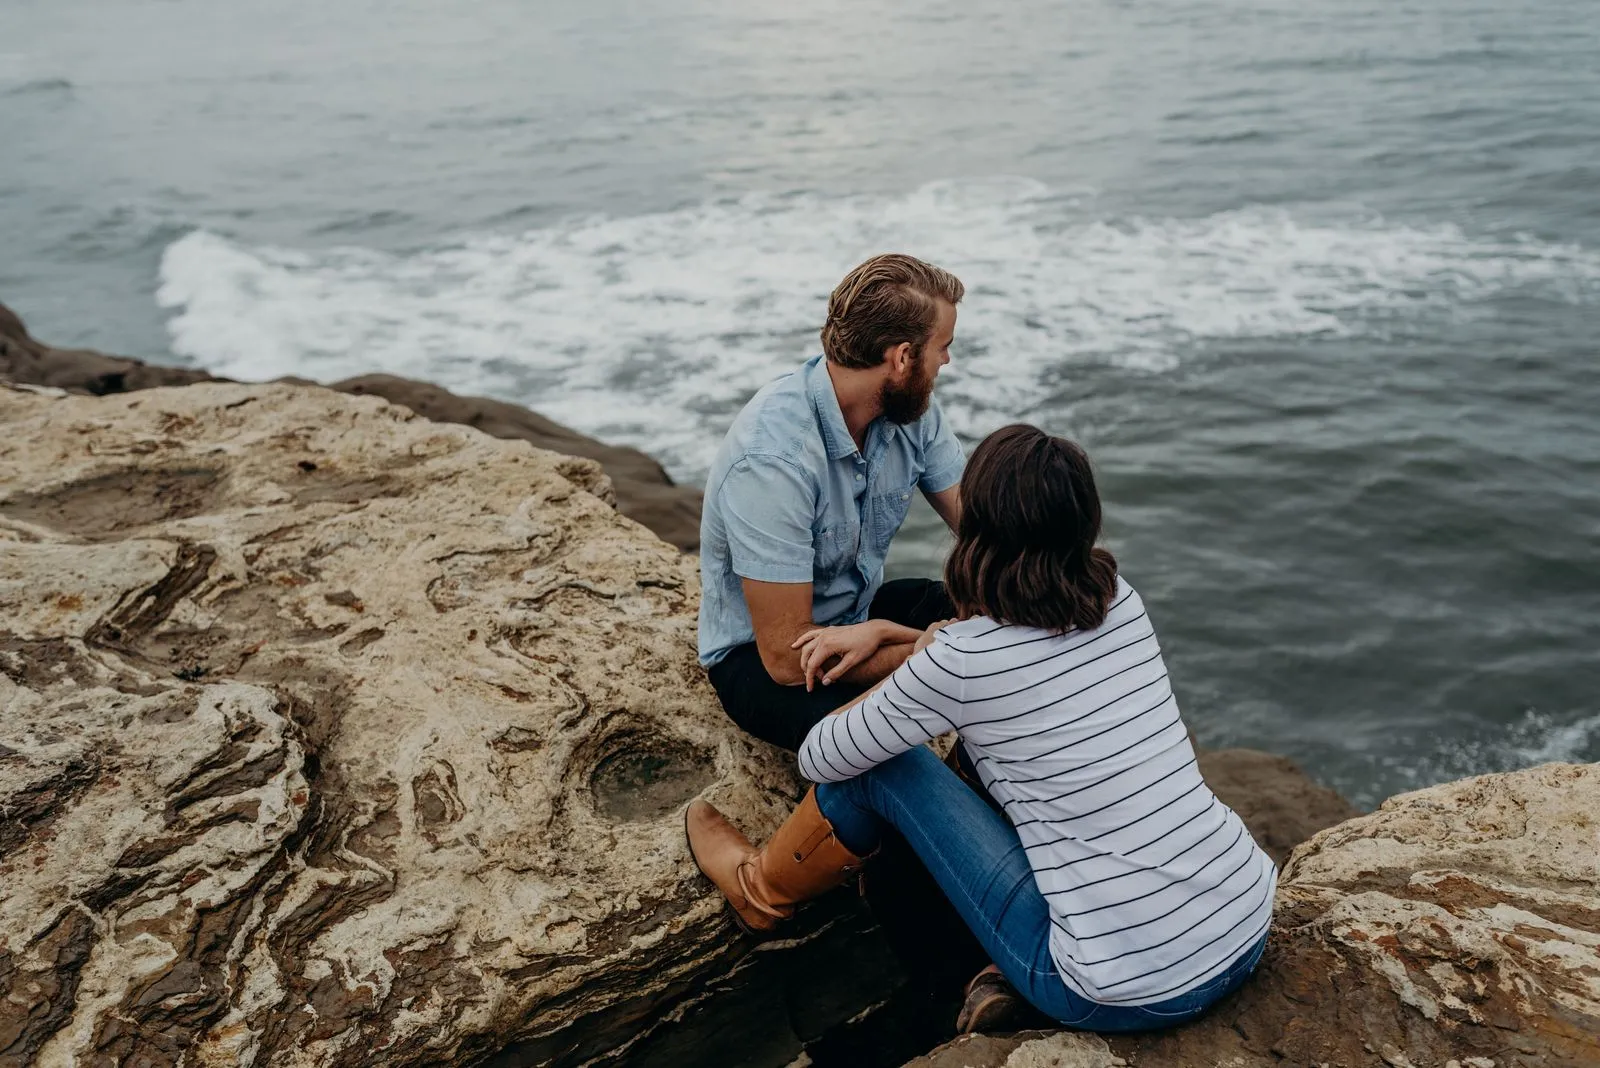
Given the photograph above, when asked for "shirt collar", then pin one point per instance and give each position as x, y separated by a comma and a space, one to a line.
825, 405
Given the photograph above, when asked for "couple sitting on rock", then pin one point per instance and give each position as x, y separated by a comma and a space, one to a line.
1071, 829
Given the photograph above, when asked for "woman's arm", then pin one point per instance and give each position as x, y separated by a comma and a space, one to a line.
919, 701
858, 652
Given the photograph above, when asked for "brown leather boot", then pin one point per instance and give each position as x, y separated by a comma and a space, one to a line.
801, 861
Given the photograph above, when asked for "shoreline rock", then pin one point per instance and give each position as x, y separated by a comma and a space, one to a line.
644, 491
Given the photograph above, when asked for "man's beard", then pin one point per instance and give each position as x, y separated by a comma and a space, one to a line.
908, 403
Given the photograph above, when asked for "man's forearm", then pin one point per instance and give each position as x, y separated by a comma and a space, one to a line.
826, 653
881, 664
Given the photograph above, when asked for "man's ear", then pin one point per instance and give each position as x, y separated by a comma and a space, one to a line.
899, 359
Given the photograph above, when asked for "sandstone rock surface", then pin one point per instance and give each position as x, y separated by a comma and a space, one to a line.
644, 492
330, 735
1457, 925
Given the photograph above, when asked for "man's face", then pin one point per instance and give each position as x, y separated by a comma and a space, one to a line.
906, 395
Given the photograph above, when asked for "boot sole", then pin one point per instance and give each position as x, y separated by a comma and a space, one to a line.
996, 1013
991, 1006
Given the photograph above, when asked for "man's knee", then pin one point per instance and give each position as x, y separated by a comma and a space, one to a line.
779, 715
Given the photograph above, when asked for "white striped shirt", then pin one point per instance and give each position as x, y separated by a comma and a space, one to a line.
1154, 886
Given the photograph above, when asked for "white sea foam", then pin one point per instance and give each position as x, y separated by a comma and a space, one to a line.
1537, 738
651, 329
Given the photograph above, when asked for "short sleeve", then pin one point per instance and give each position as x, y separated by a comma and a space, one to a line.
942, 457
767, 507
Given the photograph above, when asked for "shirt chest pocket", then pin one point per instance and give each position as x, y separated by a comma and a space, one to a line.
834, 549
887, 512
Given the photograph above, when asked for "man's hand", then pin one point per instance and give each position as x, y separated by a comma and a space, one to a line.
828, 653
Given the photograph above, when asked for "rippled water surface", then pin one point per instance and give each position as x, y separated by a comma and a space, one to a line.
1318, 283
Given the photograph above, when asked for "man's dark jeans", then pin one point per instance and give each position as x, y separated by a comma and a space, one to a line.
783, 715
923, 929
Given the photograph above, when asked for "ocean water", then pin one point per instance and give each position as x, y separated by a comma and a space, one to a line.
1316, 282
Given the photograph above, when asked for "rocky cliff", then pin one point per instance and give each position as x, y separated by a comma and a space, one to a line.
330, 735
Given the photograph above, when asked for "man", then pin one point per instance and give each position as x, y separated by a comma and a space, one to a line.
809, 487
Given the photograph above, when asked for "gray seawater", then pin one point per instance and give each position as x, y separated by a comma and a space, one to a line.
1316, 282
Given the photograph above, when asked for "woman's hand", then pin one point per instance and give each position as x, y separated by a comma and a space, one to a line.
849, 645
927, 636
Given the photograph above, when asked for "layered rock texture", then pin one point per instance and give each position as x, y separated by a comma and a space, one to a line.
330, 735
1458, 925
643, 490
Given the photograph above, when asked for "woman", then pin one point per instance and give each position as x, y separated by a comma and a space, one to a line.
1115, 892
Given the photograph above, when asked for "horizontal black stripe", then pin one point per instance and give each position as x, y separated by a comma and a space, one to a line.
1141, 869
1191, 899
1128, 855
1147, 949
1206, 974
1125, 826
1029, 641
1198, 784
1067, 671
1175, 721
1118, 801
1237, 924
1142, 766
1063, 652
1218, 855
1075, 719
1050, 704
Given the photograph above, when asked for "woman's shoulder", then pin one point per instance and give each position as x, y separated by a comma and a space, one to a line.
984, 634
969, 628
1125, 605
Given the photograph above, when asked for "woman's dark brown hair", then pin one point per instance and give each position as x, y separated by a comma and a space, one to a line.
1025, 550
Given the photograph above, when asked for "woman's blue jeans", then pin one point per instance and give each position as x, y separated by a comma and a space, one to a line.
977, 859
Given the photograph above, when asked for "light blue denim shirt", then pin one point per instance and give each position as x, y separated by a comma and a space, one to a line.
791, 499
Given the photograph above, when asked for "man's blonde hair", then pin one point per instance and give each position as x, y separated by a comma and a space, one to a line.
888, 300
